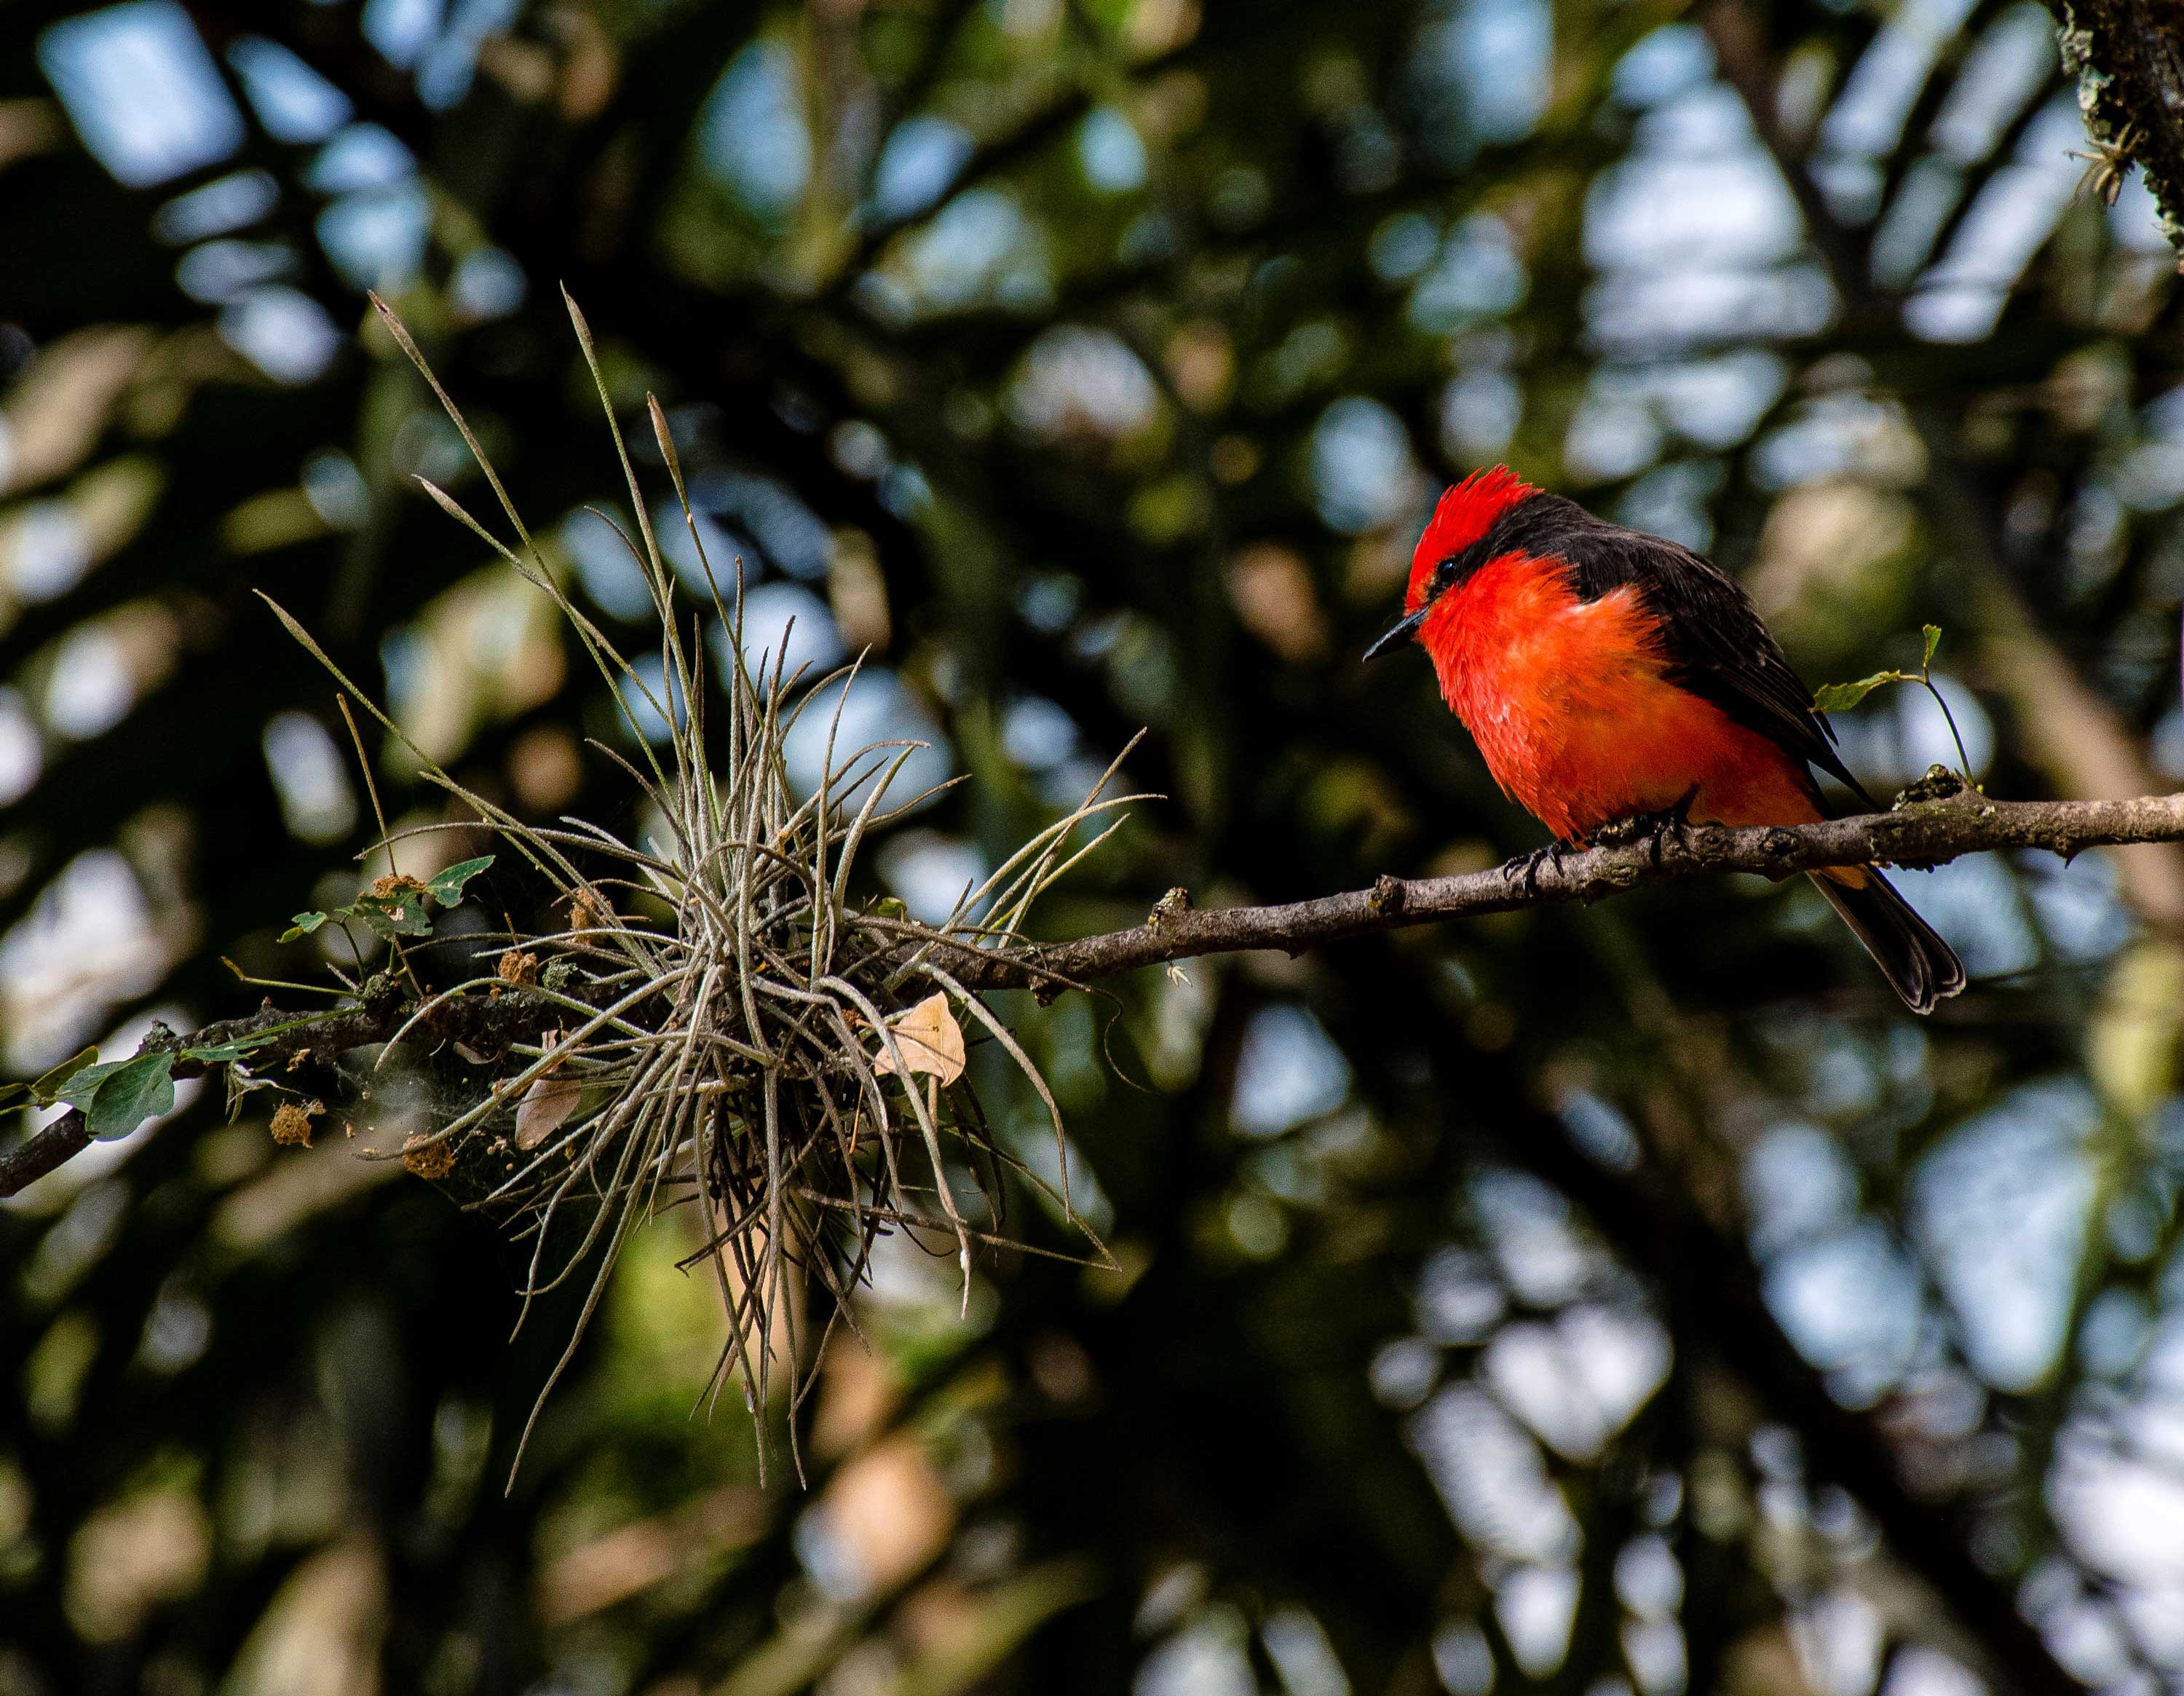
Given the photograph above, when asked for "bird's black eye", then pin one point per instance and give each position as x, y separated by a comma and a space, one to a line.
1444, 574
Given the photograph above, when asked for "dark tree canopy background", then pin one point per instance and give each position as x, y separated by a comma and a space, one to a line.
1630, 1299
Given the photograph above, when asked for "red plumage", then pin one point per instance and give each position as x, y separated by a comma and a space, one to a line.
1606, 675
1465, 514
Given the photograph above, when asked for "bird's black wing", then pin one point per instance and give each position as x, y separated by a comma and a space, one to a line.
1719, 647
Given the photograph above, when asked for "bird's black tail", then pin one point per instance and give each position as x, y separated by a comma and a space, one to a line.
1919, 967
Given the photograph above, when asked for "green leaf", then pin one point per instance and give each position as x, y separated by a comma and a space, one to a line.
133, 1092
1841, 697
447, 887
402, 915
305, 923
84, 1085
47, 1088
1933, 635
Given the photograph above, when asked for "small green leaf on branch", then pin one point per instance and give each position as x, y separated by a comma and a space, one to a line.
117, 1097
47, 1088
447, 887
1841, 697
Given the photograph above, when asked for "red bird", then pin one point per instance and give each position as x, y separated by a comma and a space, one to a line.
1608, 675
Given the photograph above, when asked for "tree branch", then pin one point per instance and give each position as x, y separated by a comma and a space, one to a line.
2128, 61
1917, 833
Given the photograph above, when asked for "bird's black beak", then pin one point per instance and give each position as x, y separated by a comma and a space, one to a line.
1402, 632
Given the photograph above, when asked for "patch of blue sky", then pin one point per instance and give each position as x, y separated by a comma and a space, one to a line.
1849, 1302
647, 697
1663, 64
283, 332
876, 706
1479, 412
784, 624
1675, 500
1903, 241
1510, 49
1288, 1071
609, 571
931, 874
2080, 910
1110, 152
1798, 1186
1895, 734
1977, 904
1723, 207
2002, 1206
487, 282
1639, 312
1477, 275
1481, 70
377, 238
920, 161
219, 271
1362, 471
449, 61
1961, 298
1877, 98
790, 537
362, 156
2010, 62
1037, 733
141, 90
980, 249
752, 136
46, 550
293, 103
1403, 245
402, 29
714, 549
233, 202
1075, 379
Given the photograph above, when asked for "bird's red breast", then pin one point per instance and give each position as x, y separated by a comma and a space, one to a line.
1571, 704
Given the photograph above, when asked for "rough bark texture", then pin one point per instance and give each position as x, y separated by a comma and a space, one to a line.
2127, 57
1920, 834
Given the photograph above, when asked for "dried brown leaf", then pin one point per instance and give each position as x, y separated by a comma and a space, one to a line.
931, 1042
546, 1105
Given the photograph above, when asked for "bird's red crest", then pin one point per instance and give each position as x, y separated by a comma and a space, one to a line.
1466, 513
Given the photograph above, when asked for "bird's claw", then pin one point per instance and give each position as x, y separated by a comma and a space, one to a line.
1652, 829
1525, 868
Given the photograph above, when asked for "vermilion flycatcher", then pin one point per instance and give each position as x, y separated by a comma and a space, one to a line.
1608, 675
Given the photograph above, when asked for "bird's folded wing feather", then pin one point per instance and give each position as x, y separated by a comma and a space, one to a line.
1718, 646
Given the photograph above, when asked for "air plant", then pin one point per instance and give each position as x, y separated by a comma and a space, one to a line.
739, 1031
